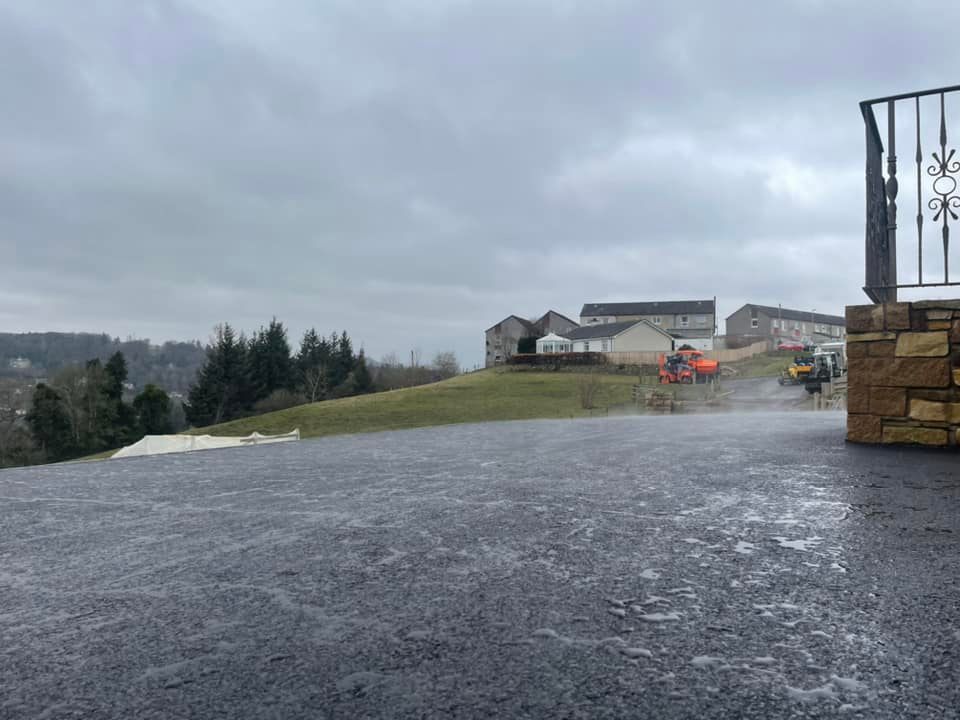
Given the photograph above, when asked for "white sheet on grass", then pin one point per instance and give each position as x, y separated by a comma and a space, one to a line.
160, 444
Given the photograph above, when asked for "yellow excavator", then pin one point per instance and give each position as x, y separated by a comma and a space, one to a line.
798, 371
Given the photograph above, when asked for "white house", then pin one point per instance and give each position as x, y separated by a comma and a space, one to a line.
554, 343
630, 336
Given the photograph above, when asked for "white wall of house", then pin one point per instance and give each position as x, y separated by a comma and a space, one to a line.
639, 338
696, 343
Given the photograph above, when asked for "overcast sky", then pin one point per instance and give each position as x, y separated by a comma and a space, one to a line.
413, 172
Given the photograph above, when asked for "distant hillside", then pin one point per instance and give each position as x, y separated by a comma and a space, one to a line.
173, 365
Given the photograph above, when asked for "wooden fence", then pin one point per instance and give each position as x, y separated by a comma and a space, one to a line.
652, 358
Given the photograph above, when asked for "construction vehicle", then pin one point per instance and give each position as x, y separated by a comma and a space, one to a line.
674, 369
797, 373
828, 363
704, 368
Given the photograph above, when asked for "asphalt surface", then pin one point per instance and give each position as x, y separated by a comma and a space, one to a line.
693, 566
764, 394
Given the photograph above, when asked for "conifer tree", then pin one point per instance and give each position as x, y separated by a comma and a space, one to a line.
219, 393
313, 365
362, 381
50, 424
270, 367
152, 407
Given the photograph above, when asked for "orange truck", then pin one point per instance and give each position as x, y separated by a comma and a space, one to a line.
704, 367
687, 366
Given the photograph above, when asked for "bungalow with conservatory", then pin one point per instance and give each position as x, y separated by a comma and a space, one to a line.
691, 322
629, 336
505, 338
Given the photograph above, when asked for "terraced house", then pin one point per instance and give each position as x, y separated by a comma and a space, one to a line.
691, 322
776, 324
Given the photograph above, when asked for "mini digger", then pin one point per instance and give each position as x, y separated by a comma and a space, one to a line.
798, 371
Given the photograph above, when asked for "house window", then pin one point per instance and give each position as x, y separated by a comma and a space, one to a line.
701, 320
796, 324
684, 320
586, 346
776, 324
593, 320
604, 345
754, 322
657, 320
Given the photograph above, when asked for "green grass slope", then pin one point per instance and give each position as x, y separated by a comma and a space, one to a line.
769, 364
478, 397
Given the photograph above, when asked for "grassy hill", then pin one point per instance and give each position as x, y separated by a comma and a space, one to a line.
484, 396
769, 364
477, 397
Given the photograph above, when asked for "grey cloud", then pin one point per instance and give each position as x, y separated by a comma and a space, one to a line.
414, 171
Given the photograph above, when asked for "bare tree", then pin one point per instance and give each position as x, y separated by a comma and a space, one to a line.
71, 384
446, 364
588, 385
315, 382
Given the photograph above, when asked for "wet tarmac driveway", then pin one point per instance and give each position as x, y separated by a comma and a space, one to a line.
736, 566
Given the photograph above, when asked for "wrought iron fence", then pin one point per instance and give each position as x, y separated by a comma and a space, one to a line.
936, 196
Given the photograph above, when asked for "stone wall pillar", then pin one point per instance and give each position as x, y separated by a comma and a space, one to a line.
904, 373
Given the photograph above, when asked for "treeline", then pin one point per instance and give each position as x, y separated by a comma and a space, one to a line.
242, 376
172, 365
81, 412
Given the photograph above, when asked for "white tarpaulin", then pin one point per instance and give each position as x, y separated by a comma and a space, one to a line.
160, 444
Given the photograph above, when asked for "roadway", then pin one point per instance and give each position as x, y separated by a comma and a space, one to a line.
749, 565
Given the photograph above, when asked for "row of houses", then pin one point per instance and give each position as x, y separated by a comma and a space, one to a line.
655, 326
765, 322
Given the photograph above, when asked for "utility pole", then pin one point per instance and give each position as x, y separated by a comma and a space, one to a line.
713, 340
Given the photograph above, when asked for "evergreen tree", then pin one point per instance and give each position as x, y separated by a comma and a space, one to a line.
152, 407
219, 393
362, 381
341, 360
313, 365
50, 424
124, 429
99, 410
116, 369
269, 364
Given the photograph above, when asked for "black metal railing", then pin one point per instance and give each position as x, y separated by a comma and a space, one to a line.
935, 192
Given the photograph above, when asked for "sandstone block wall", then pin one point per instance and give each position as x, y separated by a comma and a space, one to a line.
904, 373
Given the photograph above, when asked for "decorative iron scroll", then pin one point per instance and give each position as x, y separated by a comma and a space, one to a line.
937, 191
945, 187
